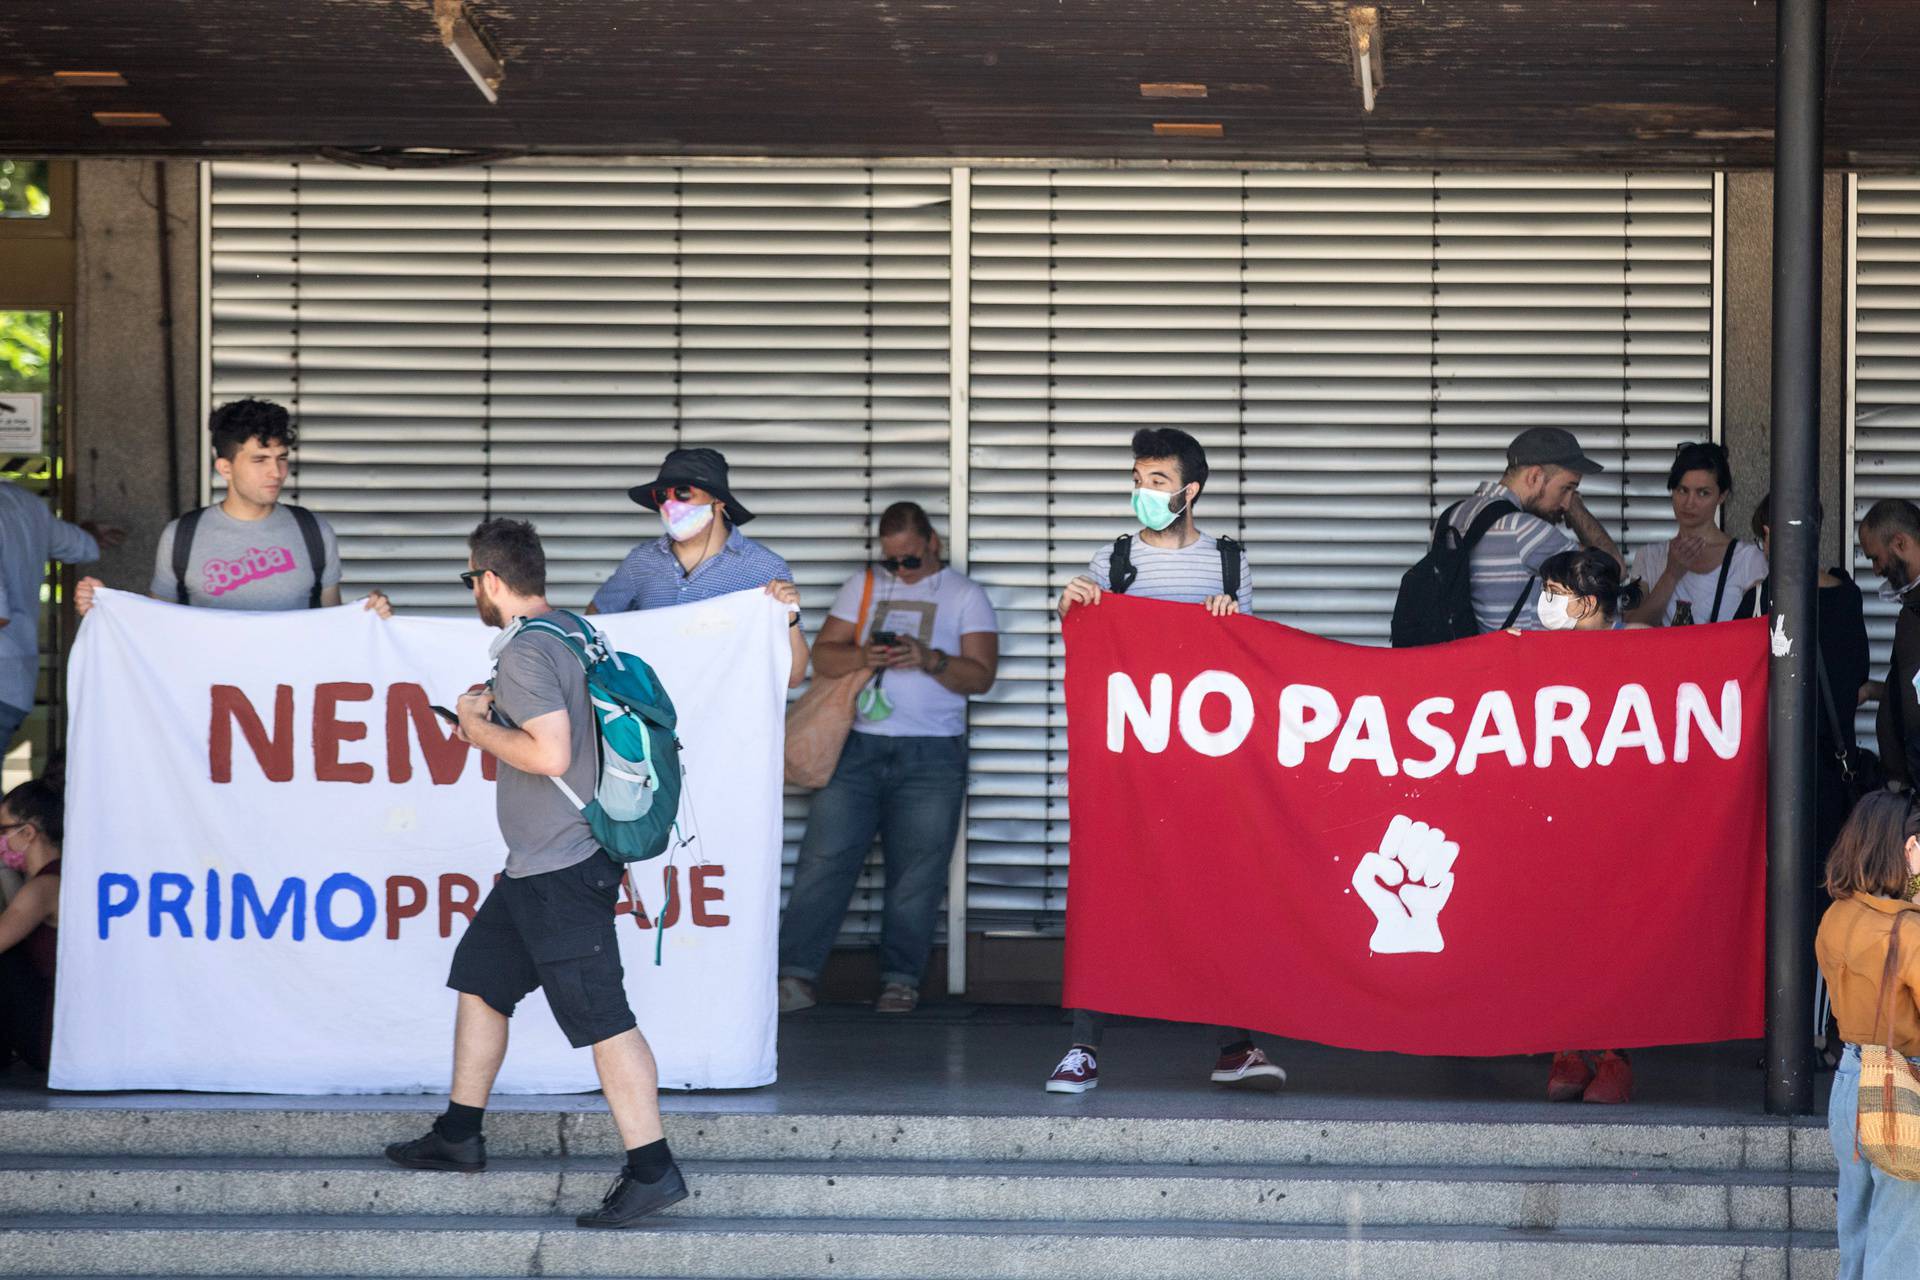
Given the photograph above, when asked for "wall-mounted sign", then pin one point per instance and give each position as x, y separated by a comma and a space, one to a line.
20, 423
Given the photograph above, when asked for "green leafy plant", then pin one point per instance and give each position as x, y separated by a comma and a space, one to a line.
23, 189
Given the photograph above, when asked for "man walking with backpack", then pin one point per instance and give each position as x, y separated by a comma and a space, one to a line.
1482, 572
548, 921
1169, 559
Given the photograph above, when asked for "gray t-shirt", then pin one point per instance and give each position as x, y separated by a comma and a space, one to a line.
1190, 575
538, 674
246, 564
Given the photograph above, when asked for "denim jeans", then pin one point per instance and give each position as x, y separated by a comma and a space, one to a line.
909, 791
11, 718
1879, 1214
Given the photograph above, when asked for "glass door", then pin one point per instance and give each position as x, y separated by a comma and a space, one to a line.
33, 456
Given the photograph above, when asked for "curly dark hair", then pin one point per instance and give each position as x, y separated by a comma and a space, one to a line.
238, 421
1171, 442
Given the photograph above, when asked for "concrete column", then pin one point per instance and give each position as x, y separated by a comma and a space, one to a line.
123, 439
1747, 354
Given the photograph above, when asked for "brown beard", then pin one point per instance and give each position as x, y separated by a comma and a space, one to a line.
489, 611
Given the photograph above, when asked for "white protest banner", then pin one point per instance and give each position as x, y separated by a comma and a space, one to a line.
273, 845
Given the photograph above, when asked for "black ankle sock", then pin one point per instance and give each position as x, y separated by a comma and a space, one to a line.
651, 1162
1238, 1046
460, 1122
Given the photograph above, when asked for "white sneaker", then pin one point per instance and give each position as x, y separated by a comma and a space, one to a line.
796, 994
1077, 1073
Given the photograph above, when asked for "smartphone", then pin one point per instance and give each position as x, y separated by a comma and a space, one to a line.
443, 713
887, 638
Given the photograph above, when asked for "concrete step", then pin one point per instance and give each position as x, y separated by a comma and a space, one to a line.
803, 1249
899, 1190
1580, 1142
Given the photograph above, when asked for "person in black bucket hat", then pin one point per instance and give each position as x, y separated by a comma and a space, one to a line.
702, 553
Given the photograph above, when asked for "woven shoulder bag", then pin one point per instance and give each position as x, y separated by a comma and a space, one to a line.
820, 719
1889, 1127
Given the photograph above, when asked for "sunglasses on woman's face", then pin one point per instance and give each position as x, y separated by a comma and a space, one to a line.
675, 493
894, 564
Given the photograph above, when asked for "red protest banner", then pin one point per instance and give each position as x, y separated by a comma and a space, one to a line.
1509, 844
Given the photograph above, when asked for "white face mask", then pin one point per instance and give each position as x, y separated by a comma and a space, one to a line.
684, 520
1552, 611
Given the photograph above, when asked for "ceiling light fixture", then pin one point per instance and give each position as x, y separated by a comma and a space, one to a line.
1173, 89
90, 79
131, 119
1369, 66
1183, 130
470, 47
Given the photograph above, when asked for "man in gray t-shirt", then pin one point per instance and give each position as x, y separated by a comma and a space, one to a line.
537, 675
548, 923
248, 551
248, 564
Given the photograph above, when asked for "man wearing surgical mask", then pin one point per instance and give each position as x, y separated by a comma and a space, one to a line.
701, 553
1890, 540
1169, 559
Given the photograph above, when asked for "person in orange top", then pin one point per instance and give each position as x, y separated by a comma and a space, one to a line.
1873, 875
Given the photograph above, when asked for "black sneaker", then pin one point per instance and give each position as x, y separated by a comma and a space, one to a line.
435, 1152
629, 1200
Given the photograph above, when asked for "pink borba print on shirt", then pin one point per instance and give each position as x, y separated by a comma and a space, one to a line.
222, 576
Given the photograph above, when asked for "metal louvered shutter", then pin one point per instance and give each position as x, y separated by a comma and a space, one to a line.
1354, 350
1883, 383
529, 340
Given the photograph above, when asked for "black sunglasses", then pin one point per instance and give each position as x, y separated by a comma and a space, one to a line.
678, 493
894, 564
472, 576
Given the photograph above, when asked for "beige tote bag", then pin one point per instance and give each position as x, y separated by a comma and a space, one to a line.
820, 719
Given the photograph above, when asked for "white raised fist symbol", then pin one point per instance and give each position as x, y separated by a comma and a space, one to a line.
1405, 883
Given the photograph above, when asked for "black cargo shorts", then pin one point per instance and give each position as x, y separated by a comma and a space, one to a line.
553, 931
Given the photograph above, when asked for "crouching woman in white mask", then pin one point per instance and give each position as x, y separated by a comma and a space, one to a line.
1581, 591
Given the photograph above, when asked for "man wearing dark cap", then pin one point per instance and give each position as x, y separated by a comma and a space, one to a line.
702, 554
1542, 486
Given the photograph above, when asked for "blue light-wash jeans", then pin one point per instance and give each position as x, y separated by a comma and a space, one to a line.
1879, 1214
11, 718
907, 790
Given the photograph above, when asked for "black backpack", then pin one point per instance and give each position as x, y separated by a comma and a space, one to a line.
1121, 573
1435, 603
309, 533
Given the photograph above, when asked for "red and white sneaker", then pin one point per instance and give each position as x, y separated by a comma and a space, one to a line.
1248, 1069
1612, 1080
1572, 1073
1077, 1072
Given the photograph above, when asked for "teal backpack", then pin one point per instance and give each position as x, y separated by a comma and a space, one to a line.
636, 799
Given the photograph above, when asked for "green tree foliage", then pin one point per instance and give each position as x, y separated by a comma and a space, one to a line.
26, 350
23, 189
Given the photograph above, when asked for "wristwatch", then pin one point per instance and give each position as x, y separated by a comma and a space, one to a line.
940, 661
793, 621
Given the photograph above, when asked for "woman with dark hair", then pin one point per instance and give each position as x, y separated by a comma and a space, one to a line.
30, 833
1873, 875
1581, 591
1700, 574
